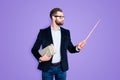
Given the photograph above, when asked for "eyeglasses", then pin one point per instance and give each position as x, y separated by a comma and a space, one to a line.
59, 16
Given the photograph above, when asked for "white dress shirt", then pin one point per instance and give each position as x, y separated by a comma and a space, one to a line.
56, 37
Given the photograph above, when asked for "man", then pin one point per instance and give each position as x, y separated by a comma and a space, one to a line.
56, 65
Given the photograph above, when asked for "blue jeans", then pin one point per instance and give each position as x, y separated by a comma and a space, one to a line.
54, 71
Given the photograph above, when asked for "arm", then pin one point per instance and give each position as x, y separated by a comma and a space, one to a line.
71, 47
77, 48
37, 45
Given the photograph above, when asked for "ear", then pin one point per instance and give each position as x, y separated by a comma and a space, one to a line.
53, 18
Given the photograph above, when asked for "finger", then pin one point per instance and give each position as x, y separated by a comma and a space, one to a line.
82, 45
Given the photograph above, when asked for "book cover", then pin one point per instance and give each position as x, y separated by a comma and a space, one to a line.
50, 50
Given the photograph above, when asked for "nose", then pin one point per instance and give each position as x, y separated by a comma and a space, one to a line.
62, 20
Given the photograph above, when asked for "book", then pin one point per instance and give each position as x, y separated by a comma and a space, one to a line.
50, 50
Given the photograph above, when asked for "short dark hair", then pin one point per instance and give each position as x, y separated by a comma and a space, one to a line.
54, 11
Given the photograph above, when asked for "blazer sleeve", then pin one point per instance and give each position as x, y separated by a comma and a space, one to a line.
37, 45
71, 47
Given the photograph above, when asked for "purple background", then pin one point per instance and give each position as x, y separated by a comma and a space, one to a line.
20, 21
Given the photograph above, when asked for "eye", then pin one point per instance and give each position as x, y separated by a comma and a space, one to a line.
59, 16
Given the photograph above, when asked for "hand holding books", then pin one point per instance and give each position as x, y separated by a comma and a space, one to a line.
47, 53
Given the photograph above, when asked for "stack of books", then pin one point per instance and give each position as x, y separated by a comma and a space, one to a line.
49, 50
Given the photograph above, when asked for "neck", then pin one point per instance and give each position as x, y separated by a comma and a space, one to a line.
54, 26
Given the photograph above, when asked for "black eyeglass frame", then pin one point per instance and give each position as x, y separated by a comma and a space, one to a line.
60, 16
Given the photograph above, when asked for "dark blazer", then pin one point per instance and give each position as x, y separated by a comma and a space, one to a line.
44, 38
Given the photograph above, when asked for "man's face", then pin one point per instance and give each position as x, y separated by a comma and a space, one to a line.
59, 18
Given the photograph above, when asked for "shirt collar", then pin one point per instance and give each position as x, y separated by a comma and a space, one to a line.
53, 29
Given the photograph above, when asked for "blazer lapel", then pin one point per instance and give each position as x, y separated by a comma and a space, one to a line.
49, 35
62, 37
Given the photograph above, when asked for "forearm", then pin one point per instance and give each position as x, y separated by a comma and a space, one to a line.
35, 53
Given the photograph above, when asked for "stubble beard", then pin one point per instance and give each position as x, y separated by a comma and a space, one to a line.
59, 23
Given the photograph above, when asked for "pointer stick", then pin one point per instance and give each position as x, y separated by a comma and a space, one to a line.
92, 30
